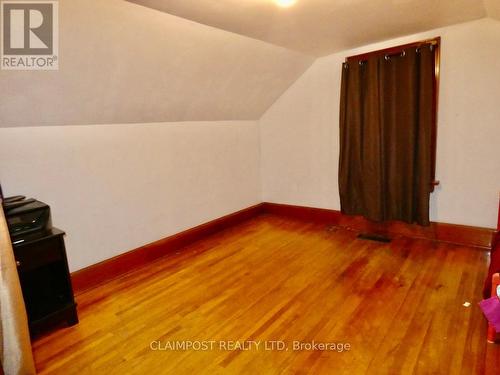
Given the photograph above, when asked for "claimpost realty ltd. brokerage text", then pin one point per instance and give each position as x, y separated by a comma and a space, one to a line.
248, 345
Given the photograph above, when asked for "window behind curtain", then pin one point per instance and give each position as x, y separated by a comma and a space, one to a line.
387, 133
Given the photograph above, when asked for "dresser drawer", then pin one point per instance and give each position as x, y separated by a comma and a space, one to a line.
38, 254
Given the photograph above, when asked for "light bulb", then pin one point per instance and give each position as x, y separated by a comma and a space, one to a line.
285, 3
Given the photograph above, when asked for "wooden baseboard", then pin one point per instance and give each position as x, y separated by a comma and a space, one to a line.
112, 268
452, 233
109, 269
312, 214
496, 242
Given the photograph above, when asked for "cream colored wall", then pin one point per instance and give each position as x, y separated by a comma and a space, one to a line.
113, 188
300, 138
124, 63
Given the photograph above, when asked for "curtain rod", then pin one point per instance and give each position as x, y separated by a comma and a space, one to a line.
396, 49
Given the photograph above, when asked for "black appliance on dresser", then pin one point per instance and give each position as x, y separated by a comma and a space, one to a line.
42, 265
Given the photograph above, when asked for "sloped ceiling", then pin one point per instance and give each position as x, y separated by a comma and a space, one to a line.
321, 27
493, 8
124, 63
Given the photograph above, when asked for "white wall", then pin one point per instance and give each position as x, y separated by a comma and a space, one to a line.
114, 188
300, 137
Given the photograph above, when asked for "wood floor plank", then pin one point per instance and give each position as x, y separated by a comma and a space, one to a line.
398, 305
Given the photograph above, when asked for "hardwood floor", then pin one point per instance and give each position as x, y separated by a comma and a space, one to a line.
399, 306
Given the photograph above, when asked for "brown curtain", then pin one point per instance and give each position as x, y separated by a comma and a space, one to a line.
386, 119
16, 357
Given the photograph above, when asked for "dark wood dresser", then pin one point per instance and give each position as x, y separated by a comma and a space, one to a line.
45, 280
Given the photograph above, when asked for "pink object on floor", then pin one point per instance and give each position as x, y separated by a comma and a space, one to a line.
491, 309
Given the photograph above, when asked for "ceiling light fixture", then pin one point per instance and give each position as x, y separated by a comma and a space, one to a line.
285, 3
